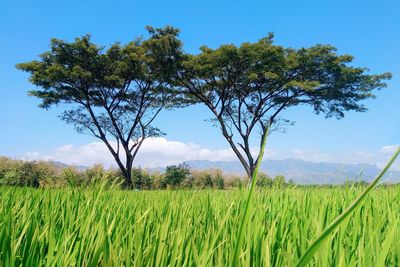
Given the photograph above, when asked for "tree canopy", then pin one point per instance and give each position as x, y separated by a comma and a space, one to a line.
113, 93
247, 87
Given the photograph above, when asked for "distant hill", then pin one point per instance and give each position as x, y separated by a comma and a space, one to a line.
303, 172
61, 165
300, 171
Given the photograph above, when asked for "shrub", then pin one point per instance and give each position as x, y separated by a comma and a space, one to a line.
19, 173
218, 180
141, 179
263, 180
208, 179
158, 180
175, 175
203, 179
72, 177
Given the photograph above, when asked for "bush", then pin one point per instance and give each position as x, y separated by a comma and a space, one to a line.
72, 177
203, 179
219, 181
98, 175
158, 180
141, 179
263, 180
175, 175
208, 179
45, 174
237, 182
19, 173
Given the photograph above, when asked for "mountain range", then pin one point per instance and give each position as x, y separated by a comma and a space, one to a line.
304, 172
300, 171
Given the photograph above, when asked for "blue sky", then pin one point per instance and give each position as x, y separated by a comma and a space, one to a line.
369, 30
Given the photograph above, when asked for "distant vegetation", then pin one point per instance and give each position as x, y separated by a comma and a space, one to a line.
49, 175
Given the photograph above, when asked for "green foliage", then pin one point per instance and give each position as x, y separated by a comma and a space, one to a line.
47, 174
20, 173
116, 93
208, 179
263, 180
73, 177
176, 175
236, 183
218, 181
141, 179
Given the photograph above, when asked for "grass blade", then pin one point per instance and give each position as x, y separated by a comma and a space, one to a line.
239, 241
319, 241
390, 235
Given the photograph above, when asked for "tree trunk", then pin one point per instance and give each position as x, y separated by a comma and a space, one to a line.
128, 170
252, 168
128, 184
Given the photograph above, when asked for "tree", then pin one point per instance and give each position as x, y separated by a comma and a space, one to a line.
247, 87
175, 175
141, 179
111, 94
263, 180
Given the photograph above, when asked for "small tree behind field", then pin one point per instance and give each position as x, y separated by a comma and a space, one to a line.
176, 175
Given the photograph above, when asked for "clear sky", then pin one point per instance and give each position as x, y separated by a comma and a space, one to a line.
369, 30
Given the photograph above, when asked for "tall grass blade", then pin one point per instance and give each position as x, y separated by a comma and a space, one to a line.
390, 235
239, 241
308, 255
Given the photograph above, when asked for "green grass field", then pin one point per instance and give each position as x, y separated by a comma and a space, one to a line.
73, 227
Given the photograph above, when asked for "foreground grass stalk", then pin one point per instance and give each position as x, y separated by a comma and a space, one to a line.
308, 255
243, 223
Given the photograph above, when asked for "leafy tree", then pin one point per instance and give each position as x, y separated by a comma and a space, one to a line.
175, 175
111, 94
218, 180
72, 177
247, 87
204, 180
263, 180
141, 179
21, 173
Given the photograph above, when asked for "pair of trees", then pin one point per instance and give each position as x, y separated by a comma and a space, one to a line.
115, 94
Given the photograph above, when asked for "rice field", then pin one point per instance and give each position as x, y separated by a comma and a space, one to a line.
109, 227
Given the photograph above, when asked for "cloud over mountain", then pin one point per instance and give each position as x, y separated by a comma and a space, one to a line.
160, 152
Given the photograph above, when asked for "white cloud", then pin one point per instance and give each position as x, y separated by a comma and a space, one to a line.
155, 152
390, 149
160, 152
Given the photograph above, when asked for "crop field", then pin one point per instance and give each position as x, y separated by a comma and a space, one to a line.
99, 227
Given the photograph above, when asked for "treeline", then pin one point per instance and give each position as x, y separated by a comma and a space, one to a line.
46, 174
